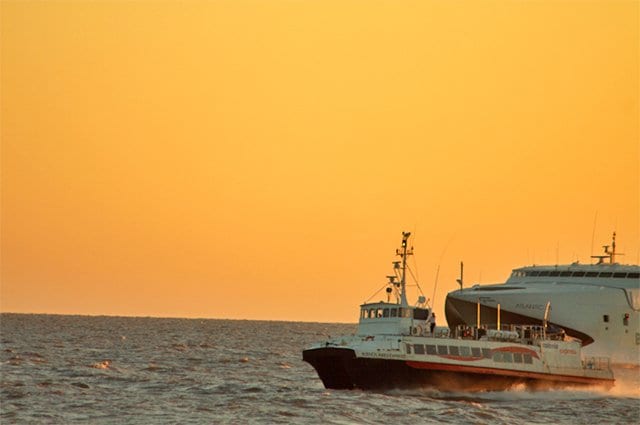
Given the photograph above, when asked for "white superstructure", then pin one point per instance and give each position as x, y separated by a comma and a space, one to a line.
597, 303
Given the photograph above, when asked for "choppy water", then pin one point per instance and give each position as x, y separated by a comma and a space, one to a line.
98, 370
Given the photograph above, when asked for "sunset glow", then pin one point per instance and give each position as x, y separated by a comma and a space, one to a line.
255, 159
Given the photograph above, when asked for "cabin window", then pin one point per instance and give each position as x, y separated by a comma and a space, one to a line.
592, 274
605, 274
379, 312
544, 273
578, 274
408, 348
619, 275
507, 357
431, 349
394, 312
420, 314
554, 273
527, 358
564, 274
517, 357
533, 273
385, 313
497, 356
442, 350
372, 313
453, 350
405, 312
418, 348
486, 353
465, 351
475, 352
633, 276
605, 318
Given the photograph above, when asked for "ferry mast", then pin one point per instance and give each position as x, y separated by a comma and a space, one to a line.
403, 252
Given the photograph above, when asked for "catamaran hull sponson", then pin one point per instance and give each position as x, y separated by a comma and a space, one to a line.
340, 369
461, 312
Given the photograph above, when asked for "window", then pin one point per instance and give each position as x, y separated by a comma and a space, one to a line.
379, 313
517, 357
633, 276
385, 313
507, 357
605, 274
544, 273
408, 348
486, 353
431, 349
442, 350
564, 274
418, 348
465, 351
578, 274
533, 273
527, 359
453, 350
619, 275
497, 356
475, 352
420, 314
592, 274
394, 312
372, 313
605, 318
554, 273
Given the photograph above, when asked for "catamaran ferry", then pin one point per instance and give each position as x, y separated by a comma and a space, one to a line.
596, 303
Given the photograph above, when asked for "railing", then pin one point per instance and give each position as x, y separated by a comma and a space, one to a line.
596, 363
525, 333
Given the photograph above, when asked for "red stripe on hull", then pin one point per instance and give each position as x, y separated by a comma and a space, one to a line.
503, 372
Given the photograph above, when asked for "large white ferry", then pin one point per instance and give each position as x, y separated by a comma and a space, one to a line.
596, 303
397, 345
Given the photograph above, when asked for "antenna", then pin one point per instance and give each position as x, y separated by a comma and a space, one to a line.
610, 254
593, 233
460, 281
403, 252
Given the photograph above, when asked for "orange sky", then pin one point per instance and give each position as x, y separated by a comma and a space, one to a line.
259, 159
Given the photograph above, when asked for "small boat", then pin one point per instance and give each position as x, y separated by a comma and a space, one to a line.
397, 345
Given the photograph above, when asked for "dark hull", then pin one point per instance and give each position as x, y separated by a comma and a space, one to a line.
461, 312
339, 368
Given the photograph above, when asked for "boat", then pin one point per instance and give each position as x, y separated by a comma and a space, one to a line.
398, 345
596, 303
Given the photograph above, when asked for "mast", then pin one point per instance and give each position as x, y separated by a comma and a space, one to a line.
403, 252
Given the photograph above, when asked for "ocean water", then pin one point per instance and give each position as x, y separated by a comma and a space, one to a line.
118, 370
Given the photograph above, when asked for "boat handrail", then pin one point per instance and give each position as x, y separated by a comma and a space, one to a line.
596, 363
524, 333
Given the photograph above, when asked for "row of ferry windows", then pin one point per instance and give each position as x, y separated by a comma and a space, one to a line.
373, 313
619, 275
454, 350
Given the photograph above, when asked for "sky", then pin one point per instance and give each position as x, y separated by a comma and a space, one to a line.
259, 159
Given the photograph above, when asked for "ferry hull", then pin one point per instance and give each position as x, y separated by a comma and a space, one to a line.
340, 368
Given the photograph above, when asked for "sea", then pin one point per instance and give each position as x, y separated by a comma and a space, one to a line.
57, 369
